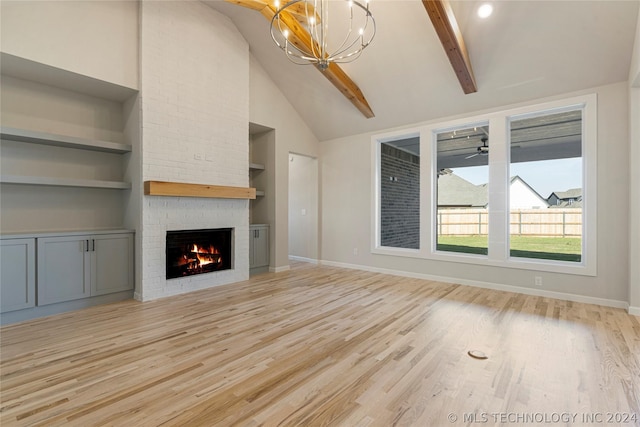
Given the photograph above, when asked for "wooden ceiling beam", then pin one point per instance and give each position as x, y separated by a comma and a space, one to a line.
300, 37
446, 27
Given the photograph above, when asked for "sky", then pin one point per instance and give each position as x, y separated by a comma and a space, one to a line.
544, 176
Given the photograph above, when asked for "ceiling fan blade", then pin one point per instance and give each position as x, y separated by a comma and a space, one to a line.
473, 155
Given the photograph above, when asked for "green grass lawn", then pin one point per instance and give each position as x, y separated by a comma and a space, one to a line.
554, 248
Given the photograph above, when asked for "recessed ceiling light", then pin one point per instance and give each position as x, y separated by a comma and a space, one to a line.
485, 10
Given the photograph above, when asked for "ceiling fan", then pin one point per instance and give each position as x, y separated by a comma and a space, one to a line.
483, 150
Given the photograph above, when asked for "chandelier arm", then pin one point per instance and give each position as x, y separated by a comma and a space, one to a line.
347, 58
343, 46
363, 45
323, 26
297, 47
337, 55
313, 30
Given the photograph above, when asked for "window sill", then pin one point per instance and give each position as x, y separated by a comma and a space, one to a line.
551, 266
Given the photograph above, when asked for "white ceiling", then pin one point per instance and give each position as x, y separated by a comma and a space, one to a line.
526, 50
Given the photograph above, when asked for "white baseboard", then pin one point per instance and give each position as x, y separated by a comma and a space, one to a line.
303, 259
279, 269
495, 286
634, 310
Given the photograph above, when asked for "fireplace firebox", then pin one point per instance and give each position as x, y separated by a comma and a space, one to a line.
192, 252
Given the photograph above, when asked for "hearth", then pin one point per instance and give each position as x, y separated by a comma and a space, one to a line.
192, 252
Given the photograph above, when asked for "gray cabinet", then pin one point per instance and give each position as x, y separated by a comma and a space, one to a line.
17, 274
112, 264
63, 269
74, 267
258, 247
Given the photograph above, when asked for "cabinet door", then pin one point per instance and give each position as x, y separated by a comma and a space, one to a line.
63, 269
111, 263
260, 239
17, 274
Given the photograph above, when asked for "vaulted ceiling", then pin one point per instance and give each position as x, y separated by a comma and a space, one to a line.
526, 50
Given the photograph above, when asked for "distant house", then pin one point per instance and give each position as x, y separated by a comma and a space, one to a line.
566, 199
522, 196
456, 192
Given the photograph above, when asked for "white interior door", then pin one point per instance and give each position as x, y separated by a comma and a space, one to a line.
303, 208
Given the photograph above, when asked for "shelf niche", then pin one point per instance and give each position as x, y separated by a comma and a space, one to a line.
65, 164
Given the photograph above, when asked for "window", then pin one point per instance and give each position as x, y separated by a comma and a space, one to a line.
462, 176
546, 159
400, 193
515, 189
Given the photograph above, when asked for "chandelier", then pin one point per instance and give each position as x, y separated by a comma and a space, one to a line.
301, 28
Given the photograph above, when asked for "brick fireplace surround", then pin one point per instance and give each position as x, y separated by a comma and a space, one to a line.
195, 113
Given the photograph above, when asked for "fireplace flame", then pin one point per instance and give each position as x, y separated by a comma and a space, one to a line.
206, 256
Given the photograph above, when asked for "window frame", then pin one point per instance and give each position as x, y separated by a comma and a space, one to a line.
499, 165
376, 153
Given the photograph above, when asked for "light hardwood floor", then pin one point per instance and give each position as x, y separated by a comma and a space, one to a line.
325, 346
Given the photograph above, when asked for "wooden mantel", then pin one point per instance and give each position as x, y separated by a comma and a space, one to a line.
181, 189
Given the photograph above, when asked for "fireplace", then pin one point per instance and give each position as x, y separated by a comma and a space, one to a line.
192, 252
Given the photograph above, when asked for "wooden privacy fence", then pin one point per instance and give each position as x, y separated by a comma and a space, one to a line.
526, 222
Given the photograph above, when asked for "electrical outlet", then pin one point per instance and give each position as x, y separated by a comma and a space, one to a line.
538, 280
355, 251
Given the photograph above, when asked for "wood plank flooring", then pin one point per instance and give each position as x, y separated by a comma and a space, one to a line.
325, 346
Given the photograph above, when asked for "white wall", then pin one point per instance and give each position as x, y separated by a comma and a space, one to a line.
634, 69
303, 207
195, 127
634, 177
634, 201
346, 192
93, 38
270, 108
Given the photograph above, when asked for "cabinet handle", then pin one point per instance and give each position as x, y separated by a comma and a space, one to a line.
89, 247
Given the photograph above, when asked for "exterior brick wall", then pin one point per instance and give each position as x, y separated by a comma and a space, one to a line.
400, 193
195, 117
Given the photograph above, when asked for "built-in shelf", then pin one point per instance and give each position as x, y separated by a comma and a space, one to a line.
63, 182
181, 189
44, 138
256, 166
25, 69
